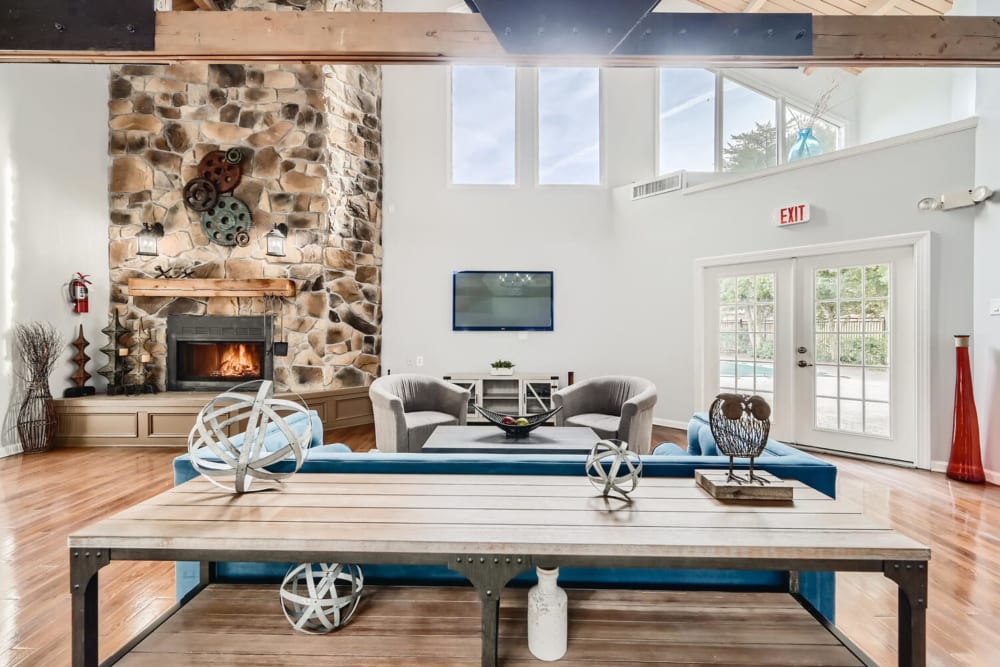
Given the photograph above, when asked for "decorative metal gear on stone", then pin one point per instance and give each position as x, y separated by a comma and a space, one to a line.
234, 156
200, 194
226, 221
223, 174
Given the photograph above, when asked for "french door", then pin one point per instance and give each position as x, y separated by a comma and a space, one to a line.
828, 340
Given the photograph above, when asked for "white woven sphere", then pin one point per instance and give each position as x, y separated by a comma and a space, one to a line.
233, 467
320, 597
612, 468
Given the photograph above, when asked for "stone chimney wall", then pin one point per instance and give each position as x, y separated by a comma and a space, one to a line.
311, 136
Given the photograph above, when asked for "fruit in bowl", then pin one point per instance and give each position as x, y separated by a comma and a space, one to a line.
521, 422
510, 421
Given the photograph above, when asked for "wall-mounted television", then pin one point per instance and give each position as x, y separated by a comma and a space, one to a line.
501, 301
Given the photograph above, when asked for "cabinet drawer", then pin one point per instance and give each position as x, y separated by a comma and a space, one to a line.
98, 425
171, 424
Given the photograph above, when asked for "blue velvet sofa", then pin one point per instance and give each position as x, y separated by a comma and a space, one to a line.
666, 461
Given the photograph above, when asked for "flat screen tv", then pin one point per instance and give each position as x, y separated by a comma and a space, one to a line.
502, 301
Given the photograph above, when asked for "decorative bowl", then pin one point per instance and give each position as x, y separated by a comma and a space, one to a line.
515, 430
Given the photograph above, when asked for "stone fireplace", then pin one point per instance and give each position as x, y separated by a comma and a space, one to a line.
311, 137
213, 353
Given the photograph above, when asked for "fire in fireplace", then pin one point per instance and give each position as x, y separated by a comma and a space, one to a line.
231, 361
212, 352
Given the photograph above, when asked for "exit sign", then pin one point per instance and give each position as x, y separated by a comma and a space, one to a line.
793, 215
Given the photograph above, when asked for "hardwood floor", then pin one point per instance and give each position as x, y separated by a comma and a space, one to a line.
44, 497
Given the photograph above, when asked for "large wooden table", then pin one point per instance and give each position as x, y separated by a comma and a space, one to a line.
491, 528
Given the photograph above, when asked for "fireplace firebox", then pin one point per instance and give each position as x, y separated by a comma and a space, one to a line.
212, 353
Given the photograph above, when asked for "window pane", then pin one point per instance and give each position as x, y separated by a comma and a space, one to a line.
687, 120
750, 139
482, 125
569, 126
851, 416
830, 136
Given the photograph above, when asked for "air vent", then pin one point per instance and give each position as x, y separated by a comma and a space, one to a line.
668, 183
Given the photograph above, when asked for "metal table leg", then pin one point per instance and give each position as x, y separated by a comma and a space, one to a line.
83, 567
490, 574
911, 577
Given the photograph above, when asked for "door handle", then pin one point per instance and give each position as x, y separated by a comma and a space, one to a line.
804, 364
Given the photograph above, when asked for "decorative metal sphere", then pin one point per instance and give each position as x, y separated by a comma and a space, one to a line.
320, 597
612, 468
234, 466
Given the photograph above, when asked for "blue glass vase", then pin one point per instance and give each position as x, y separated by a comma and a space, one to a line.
806, 146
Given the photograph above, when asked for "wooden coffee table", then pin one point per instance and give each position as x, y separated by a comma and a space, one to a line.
491, 440
491, 528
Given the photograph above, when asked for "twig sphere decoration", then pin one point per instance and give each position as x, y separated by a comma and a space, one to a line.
611, 468
234, 466
740, 425
320, 597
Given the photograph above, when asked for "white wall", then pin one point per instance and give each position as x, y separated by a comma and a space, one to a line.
893, 101
623, 270
431, 229
870, 194
986, 336
53, 204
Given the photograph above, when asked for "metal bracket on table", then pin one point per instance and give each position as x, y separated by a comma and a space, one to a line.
83, 567
793, 581
490, 574
911, 577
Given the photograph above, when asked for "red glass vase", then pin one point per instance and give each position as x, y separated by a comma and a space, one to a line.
966, 462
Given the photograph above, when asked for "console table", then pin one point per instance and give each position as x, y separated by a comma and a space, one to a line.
491, 528
520, 394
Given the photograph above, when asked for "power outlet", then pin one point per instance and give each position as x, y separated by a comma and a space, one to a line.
163, 5
420, 360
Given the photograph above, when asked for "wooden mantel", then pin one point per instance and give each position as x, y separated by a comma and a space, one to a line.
208, 287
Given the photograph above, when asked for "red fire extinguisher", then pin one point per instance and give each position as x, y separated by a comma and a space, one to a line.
78, 293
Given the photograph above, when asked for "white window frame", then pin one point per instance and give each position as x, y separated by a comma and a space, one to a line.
449, 161
781, 100
602, 167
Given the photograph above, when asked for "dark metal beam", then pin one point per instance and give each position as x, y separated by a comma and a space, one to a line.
77, 25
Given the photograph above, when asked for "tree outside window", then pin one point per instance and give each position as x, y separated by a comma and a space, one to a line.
748, 122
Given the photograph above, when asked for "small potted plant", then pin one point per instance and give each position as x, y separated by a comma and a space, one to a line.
502, 367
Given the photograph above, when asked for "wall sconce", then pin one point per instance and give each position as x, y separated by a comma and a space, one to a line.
959, 199
276, 240
147, 239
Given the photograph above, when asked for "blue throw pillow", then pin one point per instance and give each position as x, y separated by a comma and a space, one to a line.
707, 441
274, 439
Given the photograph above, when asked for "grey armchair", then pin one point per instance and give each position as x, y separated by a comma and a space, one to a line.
614, 406
407, 408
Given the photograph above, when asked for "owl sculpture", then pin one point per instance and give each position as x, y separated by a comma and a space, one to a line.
740, 425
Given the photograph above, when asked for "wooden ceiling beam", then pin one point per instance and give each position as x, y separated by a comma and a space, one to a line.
372, 37
754, 6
